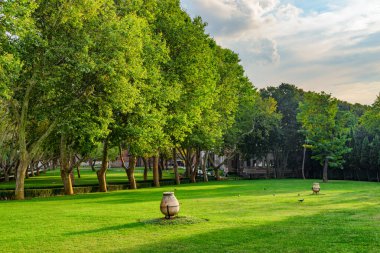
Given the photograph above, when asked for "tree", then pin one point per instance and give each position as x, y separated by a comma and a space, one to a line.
263, 121
325, 128
371, 118
287, 139
25, 90
192, 68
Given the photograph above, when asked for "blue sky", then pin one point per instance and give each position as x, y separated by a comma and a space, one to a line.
318, 45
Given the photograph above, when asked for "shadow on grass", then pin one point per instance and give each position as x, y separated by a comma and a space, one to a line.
107, 229
340, 231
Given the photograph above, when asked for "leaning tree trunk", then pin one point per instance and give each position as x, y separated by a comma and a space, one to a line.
92, 164
194, 173
78, 171
101, 174
175, 167
325, 167
20, 179
131, 172
156, 179
67, 183
65, 167
145, 168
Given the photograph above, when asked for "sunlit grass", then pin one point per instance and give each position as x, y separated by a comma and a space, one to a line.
241, 216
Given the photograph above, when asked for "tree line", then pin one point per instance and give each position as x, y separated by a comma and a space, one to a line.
80, 77
317, 132
136, 75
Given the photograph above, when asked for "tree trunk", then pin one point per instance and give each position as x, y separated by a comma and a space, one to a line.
38, 169
303, 163
67, 184
78, 171
131, 171
188, 162
103, 170
175, 167
377, 175
122, 160
145, 168
150, 163
32, 169
194, 173
20, 179
27, 172
92, 164
325, 167
65, 167
204, 169
6, 176
159, 169
156, 180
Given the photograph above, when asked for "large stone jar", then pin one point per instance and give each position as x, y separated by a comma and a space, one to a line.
169, 205
316, 188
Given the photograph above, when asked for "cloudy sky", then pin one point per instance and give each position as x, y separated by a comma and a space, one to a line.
318, 45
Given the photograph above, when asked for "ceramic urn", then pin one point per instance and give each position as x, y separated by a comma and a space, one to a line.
316, 188
169, 205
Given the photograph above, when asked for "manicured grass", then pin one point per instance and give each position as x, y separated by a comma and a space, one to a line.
236, 216
88, 177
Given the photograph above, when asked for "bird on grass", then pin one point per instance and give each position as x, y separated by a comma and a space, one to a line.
301, 200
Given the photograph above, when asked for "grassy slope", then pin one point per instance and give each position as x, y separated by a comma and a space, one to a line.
244, 216
88, 177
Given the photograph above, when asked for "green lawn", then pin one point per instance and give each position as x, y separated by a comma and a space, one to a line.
240, 216
88, 177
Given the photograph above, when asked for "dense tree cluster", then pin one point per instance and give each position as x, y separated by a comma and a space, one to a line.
317, 132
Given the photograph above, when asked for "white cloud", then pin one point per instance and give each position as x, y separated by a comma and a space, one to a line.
279, 41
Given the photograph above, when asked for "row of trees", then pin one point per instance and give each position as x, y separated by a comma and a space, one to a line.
317, 131
136, 75
76, 76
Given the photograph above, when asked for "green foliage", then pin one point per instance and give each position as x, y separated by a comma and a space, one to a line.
365, 154
286, 140
325, 128
371, 118
261, 122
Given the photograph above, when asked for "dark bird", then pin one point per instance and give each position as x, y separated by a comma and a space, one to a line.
301, 200
265, 189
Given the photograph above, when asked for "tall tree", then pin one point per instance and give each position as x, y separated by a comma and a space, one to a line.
325, 128
287, 139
